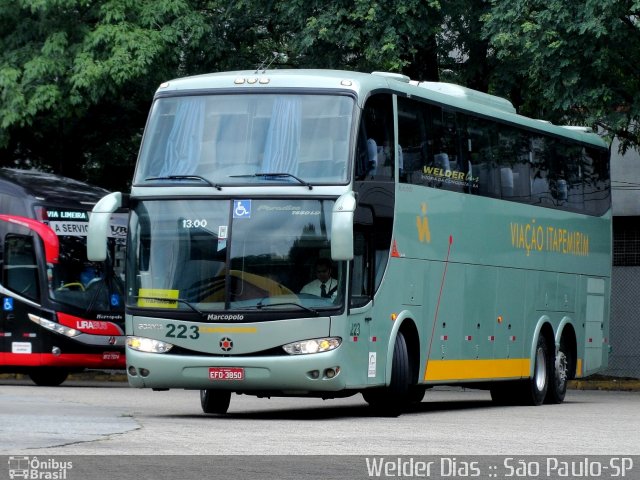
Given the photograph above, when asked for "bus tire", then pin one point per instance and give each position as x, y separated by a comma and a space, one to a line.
562, 367
215, 401
48, 377
534, 389
391, 400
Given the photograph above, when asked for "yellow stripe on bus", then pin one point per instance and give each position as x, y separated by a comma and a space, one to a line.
228, 330
476, 369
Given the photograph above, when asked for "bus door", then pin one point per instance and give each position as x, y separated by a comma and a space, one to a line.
373, 223
20, 297
365, 356
371, 250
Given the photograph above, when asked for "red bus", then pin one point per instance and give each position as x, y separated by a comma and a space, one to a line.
60, 312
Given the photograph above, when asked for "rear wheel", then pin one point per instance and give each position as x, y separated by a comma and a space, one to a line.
562, 368
48, 377
215, 401
534, 390
391, 400
531, 391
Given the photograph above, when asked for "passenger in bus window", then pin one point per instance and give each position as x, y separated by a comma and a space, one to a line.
372, 152
324, 285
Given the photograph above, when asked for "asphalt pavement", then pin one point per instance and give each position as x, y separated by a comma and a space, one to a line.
594, 382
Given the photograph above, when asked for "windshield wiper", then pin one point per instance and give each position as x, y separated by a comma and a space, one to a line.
185, 177
268, 174
94, 297
260, 306
169, 300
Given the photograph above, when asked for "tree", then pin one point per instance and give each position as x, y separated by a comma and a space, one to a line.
77, 77
398, 36
464, 52
572, 61
62, 68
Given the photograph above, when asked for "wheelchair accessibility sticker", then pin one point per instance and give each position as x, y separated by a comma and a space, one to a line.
7, 304
242, 209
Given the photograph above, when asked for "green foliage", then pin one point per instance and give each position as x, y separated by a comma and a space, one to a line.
577, 62
74, 72
364, 35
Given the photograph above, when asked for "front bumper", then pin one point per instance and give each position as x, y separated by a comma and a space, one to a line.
287, 373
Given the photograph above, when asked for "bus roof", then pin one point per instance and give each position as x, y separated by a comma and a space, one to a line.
361, 84
50, 187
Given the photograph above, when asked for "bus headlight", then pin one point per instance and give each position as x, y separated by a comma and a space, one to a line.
148, 345
314, 345
54, 327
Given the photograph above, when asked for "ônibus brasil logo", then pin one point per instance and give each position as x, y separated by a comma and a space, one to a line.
35, 468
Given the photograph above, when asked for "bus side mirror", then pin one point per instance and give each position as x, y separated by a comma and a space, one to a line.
99, 223
342, 227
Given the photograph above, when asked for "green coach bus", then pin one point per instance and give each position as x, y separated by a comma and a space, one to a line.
465, 244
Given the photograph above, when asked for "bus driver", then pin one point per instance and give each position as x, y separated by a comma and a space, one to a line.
324, 285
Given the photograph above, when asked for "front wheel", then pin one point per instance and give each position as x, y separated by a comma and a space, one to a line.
390, 401
48, 377
215, 401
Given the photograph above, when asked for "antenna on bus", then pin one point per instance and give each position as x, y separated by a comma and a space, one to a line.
262, 65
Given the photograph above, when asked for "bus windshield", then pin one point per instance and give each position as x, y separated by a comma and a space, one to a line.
75, 281
247, 138
215, 255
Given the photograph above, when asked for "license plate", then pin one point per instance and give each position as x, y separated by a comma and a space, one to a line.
226, 373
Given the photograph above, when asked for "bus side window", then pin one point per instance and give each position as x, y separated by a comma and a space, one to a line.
364, 160
20, 270
375, 158
413, 140
360, 274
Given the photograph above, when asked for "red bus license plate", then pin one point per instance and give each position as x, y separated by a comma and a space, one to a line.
226, 373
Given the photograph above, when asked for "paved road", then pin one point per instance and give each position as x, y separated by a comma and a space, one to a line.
105, 418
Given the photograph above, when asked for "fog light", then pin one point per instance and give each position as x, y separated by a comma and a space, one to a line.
55, 351
314, 374
329, 373
144, 372
132, 371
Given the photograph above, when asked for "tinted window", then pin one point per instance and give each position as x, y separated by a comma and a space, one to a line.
375, 158
20, 269
464, 153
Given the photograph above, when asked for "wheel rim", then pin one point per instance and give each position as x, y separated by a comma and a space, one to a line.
541, 370
561, 368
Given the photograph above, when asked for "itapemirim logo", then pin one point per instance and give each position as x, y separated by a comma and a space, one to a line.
33, 468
